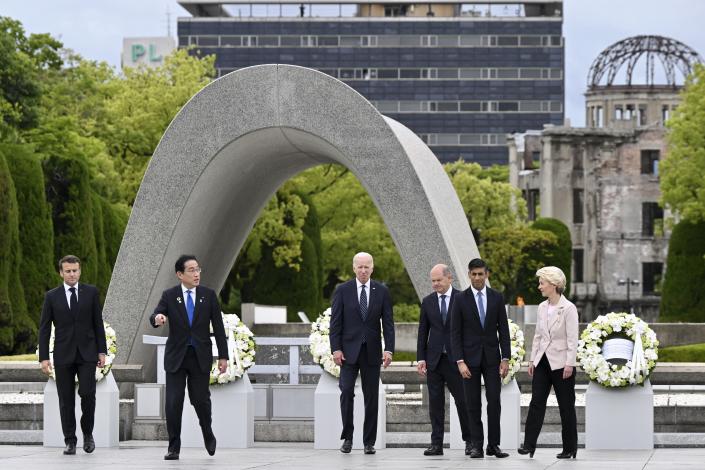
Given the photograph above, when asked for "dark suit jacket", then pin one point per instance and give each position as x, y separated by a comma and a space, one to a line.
346, 325
81, 332
206, 312
433, 334
468, 340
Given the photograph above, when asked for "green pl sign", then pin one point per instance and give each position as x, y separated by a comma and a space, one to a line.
138, 51
149, 52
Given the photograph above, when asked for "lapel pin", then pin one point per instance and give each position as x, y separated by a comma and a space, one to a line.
178, 299
200, 301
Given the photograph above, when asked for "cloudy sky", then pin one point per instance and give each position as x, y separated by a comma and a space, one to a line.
95, 28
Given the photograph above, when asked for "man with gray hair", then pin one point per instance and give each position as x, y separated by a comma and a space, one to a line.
435, 361
360, 314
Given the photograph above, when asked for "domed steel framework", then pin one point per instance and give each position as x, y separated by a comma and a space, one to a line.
671, 53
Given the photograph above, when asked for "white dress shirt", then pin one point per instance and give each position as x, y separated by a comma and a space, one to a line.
68, 293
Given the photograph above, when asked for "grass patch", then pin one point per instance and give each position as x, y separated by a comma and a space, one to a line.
404, 356
687, 353
19, 357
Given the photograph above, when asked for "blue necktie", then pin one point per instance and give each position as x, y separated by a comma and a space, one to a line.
444, 309
189, 307
363, 303
481, 308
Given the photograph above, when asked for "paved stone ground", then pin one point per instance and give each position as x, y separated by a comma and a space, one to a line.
149, 455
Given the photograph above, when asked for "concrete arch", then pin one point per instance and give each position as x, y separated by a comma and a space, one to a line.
227, 152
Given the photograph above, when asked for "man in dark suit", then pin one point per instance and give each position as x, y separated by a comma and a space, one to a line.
435, 360
359, 307
79, 347
191, 309
479, 337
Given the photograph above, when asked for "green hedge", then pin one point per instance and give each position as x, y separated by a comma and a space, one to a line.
683, 294
687, 353
8, 224
70, 197
35, 226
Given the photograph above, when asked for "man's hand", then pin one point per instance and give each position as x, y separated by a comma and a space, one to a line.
160, 319
421, 368
531, 369
567, 372
386, 359
503, 368
222, 365
338, 358
46, 367
464, 370
101, 361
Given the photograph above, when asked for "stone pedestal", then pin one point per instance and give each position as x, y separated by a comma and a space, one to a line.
328, 422
510, 420
106, 428
233, 413
621, 418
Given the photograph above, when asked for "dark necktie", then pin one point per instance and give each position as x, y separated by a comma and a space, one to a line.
73, 304
444, 309
481, 308
363, 303
189, 307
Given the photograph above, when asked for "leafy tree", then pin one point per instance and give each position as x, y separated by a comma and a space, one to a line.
683, 297
8, 226
35, 227
681, 172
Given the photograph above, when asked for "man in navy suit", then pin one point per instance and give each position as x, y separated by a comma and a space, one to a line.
191, 309
359, 307
79, 347
479, 338
435, 361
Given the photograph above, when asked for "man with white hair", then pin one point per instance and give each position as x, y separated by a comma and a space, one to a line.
360, 314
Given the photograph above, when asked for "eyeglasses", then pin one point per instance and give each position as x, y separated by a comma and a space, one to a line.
193, 270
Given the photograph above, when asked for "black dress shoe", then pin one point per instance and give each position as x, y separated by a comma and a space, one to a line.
568, 454
369, 450
476, 453
209, 441
88, 444
434, 450
70, 449
468, 448
346, 447
496, 451
523, 450
171, 455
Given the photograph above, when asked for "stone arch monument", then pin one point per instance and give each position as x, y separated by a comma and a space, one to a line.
227, 152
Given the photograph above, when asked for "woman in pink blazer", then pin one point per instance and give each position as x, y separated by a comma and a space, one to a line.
553, 363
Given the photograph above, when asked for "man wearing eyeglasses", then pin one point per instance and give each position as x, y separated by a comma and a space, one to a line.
190, 309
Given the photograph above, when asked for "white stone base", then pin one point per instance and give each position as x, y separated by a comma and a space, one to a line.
328, 422
106, 428
621, 418
509, 422
233, 414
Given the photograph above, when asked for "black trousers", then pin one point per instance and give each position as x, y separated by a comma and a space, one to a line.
473, 397
198, 392
541, 384
445, 374
369, 374
66, 389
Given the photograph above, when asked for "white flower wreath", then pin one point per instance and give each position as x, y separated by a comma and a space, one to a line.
319, 342
241, 349
618, 325
516, 336
110, 342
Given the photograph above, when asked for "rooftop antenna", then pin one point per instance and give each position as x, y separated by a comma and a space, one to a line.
168, 21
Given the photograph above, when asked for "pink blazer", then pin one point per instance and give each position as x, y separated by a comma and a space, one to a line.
558, 340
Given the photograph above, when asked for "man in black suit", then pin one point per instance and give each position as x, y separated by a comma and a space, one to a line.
191, 309
79, 347
359, 306
435, 361
479, 337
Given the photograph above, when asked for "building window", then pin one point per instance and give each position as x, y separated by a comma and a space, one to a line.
651, 274
395, 10
578, 265
651, 219
649, 162
532, 197
578, 213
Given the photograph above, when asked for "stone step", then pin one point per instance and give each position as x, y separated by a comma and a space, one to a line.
19, 437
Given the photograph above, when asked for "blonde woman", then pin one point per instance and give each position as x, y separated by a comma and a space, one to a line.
552, 363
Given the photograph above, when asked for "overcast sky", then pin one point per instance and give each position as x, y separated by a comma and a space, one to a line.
95, 28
